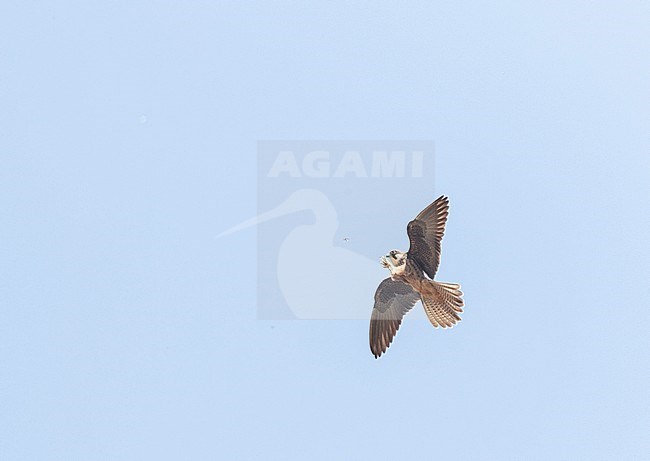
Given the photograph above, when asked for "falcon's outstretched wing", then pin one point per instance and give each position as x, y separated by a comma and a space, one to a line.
425, 234
393, 299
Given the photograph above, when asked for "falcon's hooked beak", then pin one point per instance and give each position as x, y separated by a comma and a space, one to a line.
393, 259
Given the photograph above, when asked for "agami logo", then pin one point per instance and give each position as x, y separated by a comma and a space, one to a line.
320, 206
324, 164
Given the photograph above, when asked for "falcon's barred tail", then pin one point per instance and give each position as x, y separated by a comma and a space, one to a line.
442, 303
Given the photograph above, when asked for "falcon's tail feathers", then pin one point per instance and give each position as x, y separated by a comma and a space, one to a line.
443, 304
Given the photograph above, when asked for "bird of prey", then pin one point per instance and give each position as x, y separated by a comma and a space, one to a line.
411, 279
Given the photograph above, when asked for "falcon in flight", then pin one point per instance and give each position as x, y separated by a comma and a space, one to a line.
411, 279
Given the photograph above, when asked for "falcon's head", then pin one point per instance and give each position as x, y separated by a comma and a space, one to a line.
394, 261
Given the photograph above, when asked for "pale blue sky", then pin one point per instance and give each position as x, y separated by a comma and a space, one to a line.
128, 138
